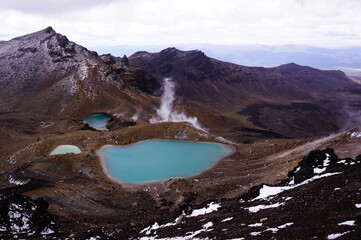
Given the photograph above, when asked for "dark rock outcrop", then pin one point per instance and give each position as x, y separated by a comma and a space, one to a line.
118, 123
108, 59
86, 126
23, 217
315, 163
315, 159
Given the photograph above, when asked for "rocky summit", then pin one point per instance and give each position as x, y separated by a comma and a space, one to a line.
55, 74
295, 131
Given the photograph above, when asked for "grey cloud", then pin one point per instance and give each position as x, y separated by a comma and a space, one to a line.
341, 34
145, 22
5, 36
51, 6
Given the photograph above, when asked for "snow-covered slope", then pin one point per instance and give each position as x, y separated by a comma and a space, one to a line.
38, 60
56, 76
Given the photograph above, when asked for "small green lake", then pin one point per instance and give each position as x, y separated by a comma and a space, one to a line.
64, 149
154, 160
97, 120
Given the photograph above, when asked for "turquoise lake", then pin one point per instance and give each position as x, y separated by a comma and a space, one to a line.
97, 120
154, 160
64, 149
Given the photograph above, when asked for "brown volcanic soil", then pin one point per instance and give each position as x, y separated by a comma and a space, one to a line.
82, 197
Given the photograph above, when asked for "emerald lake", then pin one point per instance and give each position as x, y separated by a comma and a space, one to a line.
97, 120
65, 149
154, 160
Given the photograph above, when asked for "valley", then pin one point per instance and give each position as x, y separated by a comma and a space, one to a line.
273, 117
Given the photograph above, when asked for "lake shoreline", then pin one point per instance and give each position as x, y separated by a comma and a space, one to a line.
229, 151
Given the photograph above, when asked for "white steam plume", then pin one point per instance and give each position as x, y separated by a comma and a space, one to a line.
166, 113
353, 118
135, 117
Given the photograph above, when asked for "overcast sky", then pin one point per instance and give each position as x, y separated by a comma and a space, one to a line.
327, 23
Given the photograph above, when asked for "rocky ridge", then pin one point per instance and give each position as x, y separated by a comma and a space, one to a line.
194, 68
244, 97
45, 67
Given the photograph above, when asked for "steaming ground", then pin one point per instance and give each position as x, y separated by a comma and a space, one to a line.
166, 112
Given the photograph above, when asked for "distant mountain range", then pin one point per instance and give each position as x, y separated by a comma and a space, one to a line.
345, 59
57, 77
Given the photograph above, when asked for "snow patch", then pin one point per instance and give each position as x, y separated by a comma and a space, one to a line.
347, 223
148, 230
208, 225
255, 233
336, 235
211, 207
347, 163
358, 205
319, 170
206, 228
325, 164
47, 231
261, 207
227, 219
175, 222
327, 161
94, 238
285, 225
276, 229
268, 191
12, 180
355, 135
256, 225
156, 226
273, 230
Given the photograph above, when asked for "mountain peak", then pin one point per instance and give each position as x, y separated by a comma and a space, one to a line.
291, 64
49, 30
172, 53
179, 53
46, 48
169, 53
38, 36
171, 49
